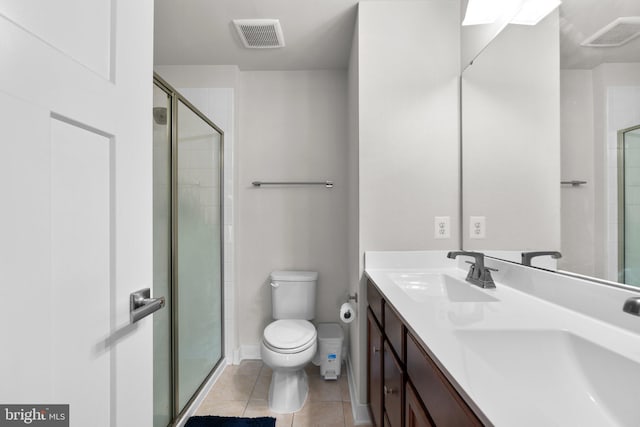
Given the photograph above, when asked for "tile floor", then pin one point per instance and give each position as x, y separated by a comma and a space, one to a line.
242, 390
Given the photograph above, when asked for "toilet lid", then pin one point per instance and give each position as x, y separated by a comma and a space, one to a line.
289, 334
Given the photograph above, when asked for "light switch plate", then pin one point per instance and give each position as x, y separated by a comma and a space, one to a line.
477, 227
442, 227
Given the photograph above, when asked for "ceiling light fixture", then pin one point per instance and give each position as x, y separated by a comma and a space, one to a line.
522, 12
533, 11
482, 12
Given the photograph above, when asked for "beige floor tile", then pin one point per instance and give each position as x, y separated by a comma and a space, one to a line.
223, 408
344, 387
246, 367
321, 390
260, 408
265, 371
325, 414
312, 369
243, 390
348, 415
233, 387
261, 389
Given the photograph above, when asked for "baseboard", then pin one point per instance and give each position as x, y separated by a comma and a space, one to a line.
359, 410
249, 352
204, 391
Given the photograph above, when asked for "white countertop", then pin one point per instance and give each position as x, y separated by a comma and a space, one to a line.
521, 359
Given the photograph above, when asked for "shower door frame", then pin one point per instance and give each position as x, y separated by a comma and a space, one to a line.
176, 414
621, 202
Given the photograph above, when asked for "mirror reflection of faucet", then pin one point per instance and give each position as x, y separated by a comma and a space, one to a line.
528, 256
478, 275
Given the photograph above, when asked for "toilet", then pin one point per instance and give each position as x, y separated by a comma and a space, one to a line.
290, 341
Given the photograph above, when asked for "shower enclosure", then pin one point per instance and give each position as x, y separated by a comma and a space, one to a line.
629, 206
187, 257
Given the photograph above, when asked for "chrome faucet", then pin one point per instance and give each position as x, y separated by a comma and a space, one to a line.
528, 256
632, 306
478, 274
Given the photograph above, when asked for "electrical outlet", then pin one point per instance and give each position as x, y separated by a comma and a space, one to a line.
477, 227
442, 227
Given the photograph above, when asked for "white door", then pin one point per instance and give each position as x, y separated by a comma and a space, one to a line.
76, 207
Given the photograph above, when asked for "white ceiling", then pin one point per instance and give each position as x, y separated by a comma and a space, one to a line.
318, 33
579, 19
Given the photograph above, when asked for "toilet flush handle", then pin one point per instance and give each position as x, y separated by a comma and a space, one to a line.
275, 285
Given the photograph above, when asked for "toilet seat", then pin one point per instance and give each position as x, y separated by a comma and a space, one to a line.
289, 336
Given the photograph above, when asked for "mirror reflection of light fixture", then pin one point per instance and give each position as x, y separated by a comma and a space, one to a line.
533, 11
482, 11
529, 12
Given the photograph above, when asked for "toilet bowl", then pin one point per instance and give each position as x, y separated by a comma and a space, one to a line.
287, 347
290, 342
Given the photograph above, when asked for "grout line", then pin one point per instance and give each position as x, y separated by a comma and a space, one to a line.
246, 405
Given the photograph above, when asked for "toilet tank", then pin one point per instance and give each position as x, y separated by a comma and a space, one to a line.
293, 294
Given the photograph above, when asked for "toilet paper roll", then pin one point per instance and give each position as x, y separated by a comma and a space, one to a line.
347, 312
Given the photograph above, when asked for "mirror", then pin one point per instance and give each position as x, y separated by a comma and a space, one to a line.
475, 38
541, 120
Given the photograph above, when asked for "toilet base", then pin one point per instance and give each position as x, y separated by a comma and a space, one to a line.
288, 391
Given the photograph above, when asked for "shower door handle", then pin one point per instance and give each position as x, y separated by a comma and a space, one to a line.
141, 304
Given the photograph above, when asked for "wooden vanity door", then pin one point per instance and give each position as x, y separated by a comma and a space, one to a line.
415, 415
393, 387
374, 383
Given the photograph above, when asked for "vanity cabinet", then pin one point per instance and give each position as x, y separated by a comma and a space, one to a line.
406, 388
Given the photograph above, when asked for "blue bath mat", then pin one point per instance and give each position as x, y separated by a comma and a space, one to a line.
214, 421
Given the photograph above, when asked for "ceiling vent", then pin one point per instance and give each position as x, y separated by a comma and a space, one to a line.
617, 33
260, 33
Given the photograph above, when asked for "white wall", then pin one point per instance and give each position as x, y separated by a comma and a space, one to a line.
511, 140
577, 163
406, 68
293, 127
408, 123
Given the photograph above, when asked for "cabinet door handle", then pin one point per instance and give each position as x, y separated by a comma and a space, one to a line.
375, 349
388, 390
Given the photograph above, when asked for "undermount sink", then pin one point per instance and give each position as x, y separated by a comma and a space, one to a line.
422, 286
561, 378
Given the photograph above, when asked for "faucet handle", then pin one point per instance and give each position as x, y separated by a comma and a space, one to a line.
632, 306
485, 267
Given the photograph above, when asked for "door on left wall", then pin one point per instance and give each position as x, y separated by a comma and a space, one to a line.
76, 235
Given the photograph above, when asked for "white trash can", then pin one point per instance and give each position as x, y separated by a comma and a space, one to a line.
330, 339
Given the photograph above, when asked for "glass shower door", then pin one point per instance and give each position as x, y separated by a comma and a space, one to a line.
629, 206
187, 253
199, 266
162, 372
